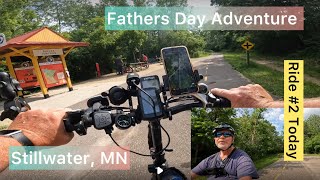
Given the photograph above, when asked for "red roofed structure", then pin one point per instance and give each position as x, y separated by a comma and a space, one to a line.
41, 55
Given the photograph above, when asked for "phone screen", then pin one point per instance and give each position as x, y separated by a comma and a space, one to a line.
147, 105
179, 70
150, 81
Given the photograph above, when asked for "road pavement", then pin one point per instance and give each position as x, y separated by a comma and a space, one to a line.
220, 74
217, 73
309, 169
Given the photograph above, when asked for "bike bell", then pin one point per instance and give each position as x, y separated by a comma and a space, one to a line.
133, 79
203, 88
118, 95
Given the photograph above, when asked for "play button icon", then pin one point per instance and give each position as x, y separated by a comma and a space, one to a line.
159, 170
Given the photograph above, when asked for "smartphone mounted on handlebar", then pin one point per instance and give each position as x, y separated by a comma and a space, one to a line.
149, 99
150, 81
181, 78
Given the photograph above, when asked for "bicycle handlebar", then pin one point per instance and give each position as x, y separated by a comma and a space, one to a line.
104, 118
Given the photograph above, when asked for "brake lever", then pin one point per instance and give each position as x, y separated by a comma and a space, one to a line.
202, 98
210, 100
218, 101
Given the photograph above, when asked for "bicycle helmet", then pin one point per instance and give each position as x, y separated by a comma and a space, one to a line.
223, 127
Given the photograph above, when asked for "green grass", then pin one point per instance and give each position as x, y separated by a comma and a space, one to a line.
204, 53
270, 79
312, 154
311, 66
199, 54
266, 161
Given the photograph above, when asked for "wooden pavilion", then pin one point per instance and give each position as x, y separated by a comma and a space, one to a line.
40, 45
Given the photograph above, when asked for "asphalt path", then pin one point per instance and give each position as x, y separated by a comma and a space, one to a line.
283, 170
216, 72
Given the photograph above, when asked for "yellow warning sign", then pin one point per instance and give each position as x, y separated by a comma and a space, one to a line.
247, 45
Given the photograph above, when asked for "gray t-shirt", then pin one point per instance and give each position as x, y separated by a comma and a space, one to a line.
238, 165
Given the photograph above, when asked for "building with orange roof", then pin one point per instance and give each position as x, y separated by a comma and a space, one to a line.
37, 58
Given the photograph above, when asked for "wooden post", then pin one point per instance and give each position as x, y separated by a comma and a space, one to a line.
10, 67
66, 72
37, 69
248, 58
12, 73
39, 77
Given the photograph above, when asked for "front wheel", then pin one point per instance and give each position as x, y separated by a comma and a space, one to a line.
169, 174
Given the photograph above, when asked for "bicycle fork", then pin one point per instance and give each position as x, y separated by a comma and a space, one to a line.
155, 146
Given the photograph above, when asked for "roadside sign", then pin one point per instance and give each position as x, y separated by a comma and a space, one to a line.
247, 45
3, 41
47, 52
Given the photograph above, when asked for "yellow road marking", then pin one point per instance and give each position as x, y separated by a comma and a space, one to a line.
275, 178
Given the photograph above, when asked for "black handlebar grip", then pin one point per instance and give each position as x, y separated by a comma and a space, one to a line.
184, 107
217, 101
11, 113
222, 102
72, 119
68, 126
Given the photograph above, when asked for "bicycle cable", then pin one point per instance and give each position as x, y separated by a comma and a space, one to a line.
163, 149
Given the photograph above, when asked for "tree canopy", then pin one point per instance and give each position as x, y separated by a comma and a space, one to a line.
82, 20
311, 134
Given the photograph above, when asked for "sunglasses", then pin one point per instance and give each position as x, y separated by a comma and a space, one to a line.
225, 134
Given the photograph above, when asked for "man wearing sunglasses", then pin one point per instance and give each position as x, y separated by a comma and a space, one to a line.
229, 162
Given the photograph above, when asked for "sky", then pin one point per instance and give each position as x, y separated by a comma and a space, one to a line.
275, 115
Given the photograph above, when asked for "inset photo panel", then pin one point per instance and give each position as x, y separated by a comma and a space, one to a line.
234, 143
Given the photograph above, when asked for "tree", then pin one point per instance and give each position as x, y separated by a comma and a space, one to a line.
16, 18
113, 3
311, 134
221, 40
79, 12
296, 43
63, 15
312, 126
129, 43
257, 136
103, 3
102, 50
141, 3
192, 41
50, 12
171, 3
